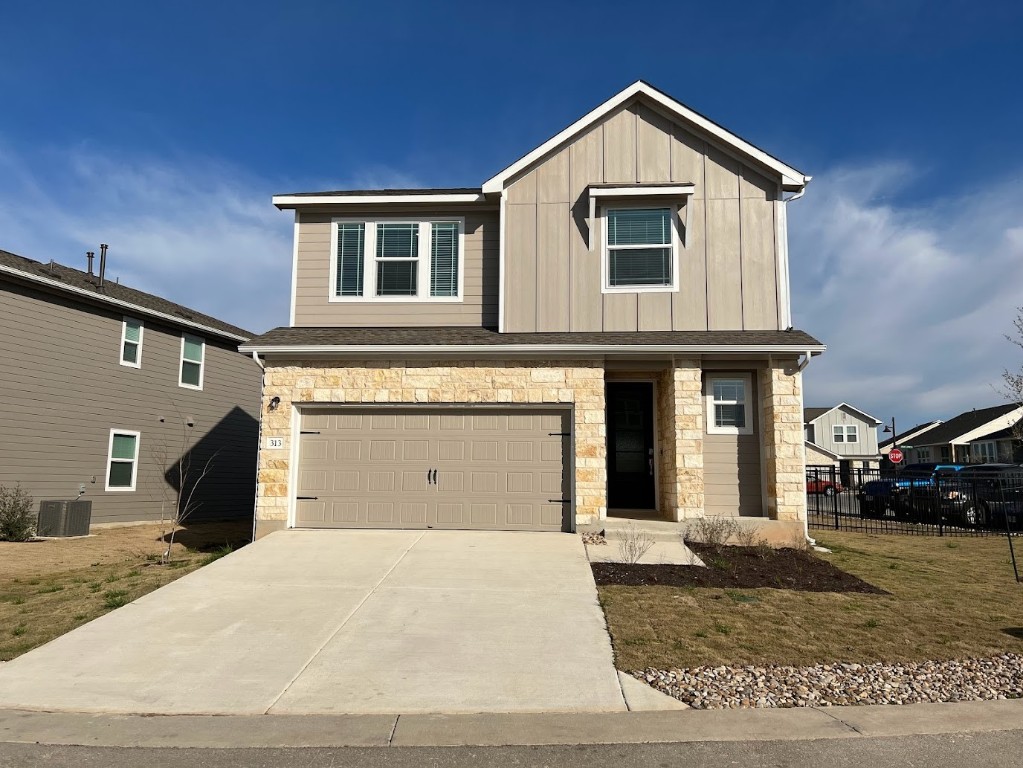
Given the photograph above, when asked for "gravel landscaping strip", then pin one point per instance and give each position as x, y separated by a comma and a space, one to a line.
824, 685
596, 538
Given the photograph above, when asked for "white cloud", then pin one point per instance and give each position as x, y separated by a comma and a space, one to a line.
913, 302
190, 230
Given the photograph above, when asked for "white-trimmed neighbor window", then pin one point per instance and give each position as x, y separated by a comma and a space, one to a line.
845, 433
122, 460
392, 260
728, 405
640, 251
131, 342
985, 453
193, 361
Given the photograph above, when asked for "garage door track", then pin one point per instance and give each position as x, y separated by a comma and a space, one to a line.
345, 622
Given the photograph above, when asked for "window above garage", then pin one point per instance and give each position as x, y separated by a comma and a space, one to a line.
397, 260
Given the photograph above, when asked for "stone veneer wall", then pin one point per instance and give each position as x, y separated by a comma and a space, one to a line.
580, 384
784, 454
680, 436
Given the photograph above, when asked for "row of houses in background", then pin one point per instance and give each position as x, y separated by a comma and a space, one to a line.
846, 437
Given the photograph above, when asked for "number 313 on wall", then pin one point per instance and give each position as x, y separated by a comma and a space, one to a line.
274, 442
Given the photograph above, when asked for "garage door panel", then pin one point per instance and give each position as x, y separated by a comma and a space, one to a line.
496, 470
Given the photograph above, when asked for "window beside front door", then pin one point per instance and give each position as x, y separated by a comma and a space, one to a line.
728, 405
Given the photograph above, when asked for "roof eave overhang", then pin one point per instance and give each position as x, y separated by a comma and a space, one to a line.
541, 350
792, 180
136, 309
286, 202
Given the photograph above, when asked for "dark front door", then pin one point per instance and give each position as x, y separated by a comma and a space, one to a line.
630, 445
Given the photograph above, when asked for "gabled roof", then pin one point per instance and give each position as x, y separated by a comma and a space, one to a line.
825, 451
792, 179
81, 285
812, 414
959, 429
910, 433
1001, 434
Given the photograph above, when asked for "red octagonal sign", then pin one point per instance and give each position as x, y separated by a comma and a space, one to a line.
895, 456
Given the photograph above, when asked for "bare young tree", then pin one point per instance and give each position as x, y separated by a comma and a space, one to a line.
1012, 380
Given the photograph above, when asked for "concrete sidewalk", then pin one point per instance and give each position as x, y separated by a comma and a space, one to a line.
509, 729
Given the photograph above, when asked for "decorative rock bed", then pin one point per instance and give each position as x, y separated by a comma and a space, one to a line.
594, 538
823, 685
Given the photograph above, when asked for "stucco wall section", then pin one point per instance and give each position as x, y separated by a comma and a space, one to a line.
680, 437
442, 382
784, 451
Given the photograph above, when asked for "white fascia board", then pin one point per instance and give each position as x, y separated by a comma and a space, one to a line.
293, 201
631, 190
864, 414
792, 179
527, 349
135, 308
995, 425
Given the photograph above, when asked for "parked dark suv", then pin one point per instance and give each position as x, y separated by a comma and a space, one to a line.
983, 496
897, 492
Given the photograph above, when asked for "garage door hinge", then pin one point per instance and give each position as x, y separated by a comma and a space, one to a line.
559, 434
309, 432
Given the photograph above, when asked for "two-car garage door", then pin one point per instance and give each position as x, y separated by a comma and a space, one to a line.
406, 467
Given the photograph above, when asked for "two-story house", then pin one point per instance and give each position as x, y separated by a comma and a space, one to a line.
841, 435
602, 328
121, 398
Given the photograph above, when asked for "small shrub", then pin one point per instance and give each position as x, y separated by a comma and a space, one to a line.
17, 523
713, 531
749, 536
634, 544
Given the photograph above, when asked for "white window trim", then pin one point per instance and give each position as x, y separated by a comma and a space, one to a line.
605, 256
111, 460
992, 451
369, 260
124, 338
202, 362
714, 429
845, 433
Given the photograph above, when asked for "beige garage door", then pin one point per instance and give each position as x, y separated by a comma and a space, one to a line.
397, 467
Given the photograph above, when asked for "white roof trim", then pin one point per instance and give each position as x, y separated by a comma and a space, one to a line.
527, 349
792, 179
877, 422
649, 190
135, 308
291, 201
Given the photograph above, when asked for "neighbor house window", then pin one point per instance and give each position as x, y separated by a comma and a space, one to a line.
728, 405
193, 356
846, 433
640, 249
131, 343
923, 454
122, 460
397, 260
984, 453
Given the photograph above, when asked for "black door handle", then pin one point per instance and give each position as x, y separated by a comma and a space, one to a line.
428, 480
435, 477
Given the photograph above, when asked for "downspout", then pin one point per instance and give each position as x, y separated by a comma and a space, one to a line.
259, 437
811, 542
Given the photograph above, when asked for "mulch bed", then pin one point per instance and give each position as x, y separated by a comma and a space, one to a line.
739, 568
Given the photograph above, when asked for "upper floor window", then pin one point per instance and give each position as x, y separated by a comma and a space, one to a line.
122, 460
389, 260
640, 252
845, 433
193, 361
131, 342
728, 405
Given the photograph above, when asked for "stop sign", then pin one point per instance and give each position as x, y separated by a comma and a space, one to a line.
895, 456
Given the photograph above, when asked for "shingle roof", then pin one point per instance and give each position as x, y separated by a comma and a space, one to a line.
961, 424
809, 414
76, 281
474, 336
911, 432
1001, 434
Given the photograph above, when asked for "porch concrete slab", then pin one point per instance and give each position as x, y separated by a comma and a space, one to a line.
640, 697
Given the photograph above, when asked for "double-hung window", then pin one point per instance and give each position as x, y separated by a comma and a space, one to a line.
131, 342
640, 252
193, 361
846, 433
392, 260
986, 453
122, 460
728, 405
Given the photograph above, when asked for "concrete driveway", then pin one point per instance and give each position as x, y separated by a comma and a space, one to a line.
345, 622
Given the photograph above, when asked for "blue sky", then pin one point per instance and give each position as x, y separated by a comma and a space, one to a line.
163, 129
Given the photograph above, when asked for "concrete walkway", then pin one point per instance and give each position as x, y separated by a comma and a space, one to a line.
345, 622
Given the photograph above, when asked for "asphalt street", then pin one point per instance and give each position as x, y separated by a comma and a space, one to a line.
977, 750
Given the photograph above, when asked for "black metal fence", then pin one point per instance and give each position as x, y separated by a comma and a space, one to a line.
974, 501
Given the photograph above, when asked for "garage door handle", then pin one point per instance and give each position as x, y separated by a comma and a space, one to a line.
559, 434
559, 501
435, 477
307, 498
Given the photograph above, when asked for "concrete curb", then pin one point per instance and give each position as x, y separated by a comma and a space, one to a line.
231, 731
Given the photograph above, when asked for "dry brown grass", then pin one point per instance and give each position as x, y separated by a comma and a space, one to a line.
949, 598
50, 587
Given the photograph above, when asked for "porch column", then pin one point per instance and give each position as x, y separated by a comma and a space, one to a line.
680, 420
784, 459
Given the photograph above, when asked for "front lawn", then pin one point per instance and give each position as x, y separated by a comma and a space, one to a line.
49, 587
948, 598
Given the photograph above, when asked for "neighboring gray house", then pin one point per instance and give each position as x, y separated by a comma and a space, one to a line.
1000, 446
841, 436
602, 328
950, 441
905, 439
107, 388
